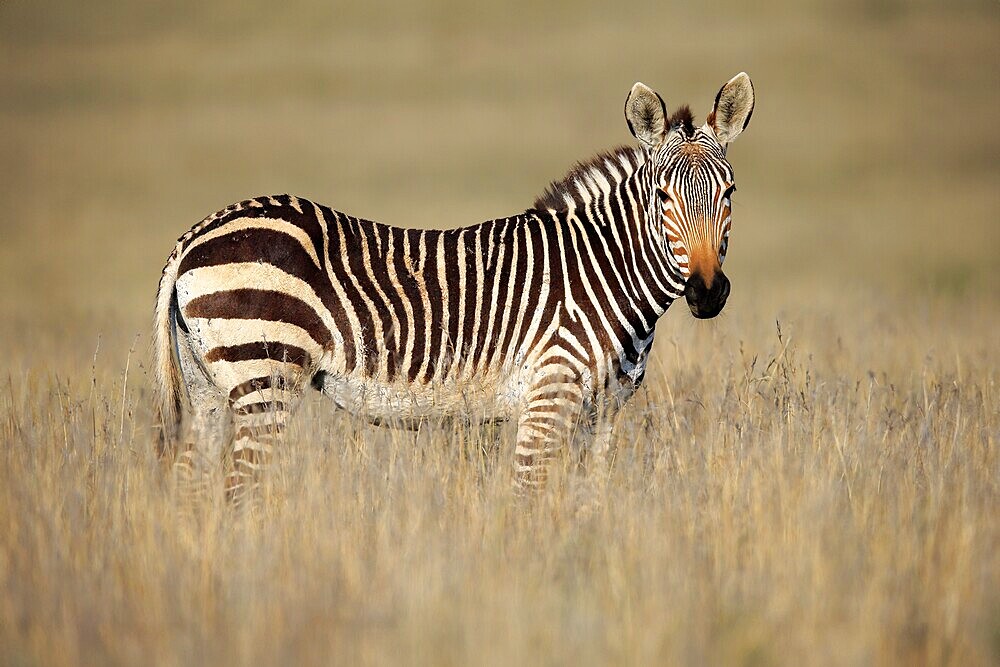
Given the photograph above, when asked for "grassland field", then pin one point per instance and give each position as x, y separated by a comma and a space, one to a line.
811, 478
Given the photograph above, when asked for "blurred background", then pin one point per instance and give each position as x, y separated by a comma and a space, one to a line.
822, 495
868, 175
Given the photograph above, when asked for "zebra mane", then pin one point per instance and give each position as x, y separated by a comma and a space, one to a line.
683, 121
582, 184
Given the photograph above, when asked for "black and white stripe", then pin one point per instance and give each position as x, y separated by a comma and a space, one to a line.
546, 316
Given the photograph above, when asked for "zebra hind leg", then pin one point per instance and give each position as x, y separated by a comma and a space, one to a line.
196, 466
195, 457
261, 407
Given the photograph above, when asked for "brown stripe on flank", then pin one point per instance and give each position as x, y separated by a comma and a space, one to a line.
259, 304
259, 244
291, 354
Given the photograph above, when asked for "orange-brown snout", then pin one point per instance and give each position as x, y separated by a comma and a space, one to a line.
706, 298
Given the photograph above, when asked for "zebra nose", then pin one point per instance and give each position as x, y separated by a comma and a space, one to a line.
706, 300
722, 284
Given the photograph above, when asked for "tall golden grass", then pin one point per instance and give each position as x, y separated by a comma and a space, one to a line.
772, 501
812, 478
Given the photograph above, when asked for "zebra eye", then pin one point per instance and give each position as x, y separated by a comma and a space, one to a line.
728, 194
662, 195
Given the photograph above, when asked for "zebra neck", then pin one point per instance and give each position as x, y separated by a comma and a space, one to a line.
656, 270
611, 268
630, 250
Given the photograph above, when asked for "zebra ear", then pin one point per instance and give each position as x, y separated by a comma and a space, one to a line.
733, 108
646, 115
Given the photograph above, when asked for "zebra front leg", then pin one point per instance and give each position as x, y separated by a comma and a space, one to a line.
599, 444
547, 421
588, 488
261, 407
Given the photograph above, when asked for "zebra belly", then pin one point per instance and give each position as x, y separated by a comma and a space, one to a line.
376, 400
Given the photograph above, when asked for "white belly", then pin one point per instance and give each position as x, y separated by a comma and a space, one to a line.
375, 400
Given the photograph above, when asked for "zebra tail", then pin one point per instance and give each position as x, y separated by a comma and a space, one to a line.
168, 375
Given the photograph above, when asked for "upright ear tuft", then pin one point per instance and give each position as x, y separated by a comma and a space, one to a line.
733, 108
646, 115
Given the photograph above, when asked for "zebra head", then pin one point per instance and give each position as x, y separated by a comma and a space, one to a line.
689, 208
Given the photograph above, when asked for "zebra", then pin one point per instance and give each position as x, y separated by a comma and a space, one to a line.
546, 317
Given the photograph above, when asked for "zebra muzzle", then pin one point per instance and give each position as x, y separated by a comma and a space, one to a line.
706, 299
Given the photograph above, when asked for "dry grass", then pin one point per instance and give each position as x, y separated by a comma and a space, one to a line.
768, 505
828, 496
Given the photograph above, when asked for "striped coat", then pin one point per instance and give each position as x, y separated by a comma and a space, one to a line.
546, 316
